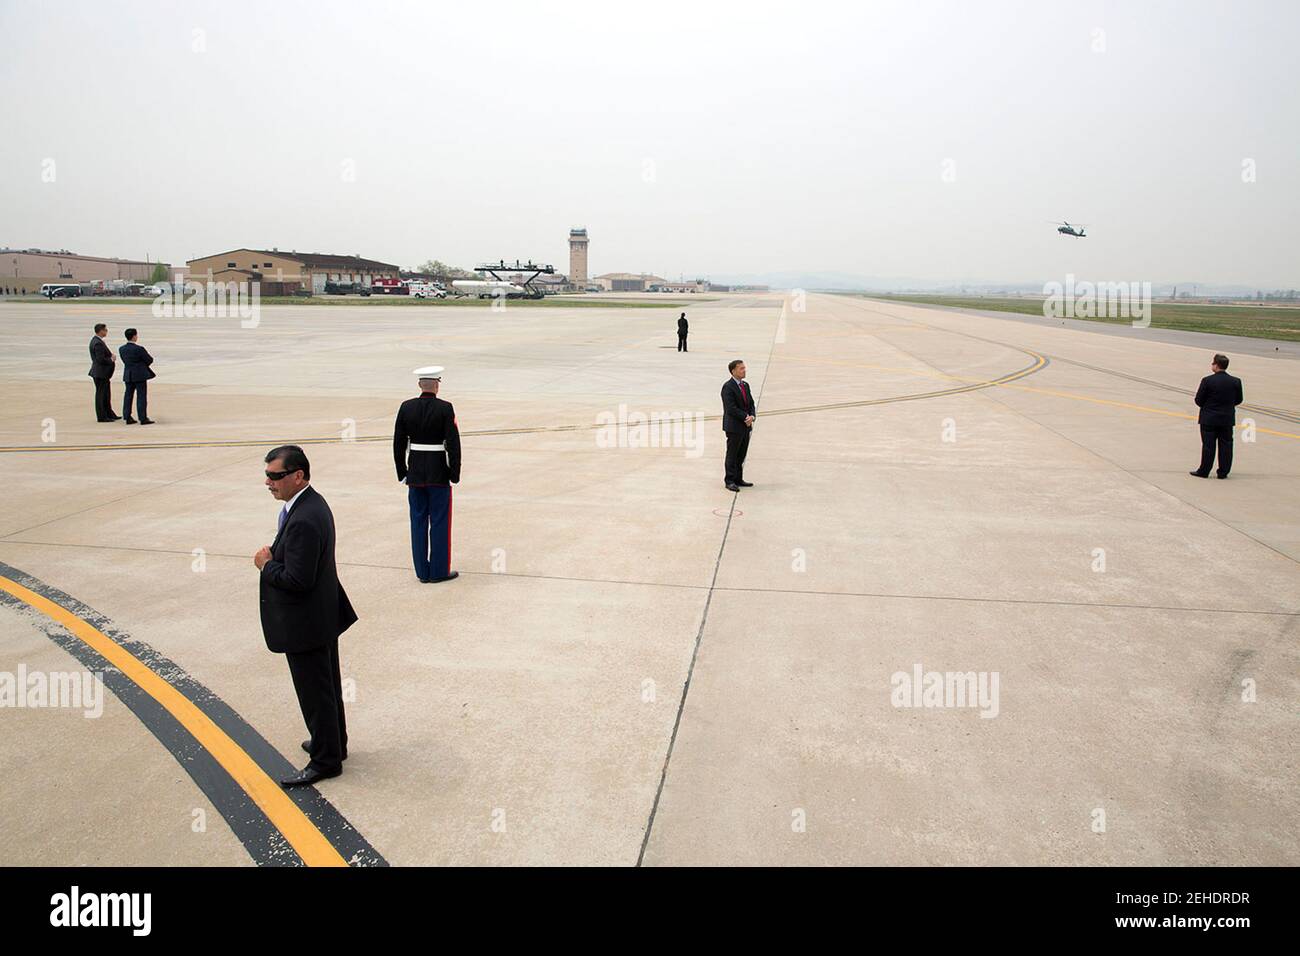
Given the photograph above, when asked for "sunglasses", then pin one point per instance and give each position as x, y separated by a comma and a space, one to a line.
277, 475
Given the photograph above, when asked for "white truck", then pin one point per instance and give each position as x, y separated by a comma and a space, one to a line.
426, 290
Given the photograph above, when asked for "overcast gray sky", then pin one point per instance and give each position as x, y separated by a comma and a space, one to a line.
689, 138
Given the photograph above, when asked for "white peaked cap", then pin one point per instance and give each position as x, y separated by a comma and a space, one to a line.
428, 371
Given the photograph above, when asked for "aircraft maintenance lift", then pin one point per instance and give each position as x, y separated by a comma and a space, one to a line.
493, 268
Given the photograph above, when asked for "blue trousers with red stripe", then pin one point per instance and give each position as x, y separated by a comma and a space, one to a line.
430, 530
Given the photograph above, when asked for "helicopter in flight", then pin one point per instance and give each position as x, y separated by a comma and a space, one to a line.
1065, 229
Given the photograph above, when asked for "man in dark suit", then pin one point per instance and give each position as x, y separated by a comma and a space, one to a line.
683, 328
1217, 397
738, 413
305, 609
102, 364
429, 467
136, 374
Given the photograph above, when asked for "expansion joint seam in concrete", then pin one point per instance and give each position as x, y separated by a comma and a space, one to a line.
699, 637
1118, 467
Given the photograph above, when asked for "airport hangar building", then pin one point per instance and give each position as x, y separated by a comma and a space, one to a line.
288, 273
644, 281
627, 281
31, 268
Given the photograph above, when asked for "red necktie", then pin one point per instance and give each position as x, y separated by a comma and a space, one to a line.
744, 393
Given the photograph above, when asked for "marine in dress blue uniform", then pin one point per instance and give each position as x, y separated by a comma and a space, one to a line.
426, 450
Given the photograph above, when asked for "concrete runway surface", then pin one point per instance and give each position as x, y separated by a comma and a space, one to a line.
636, 665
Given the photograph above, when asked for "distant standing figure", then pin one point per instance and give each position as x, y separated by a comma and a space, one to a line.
738, 413
683, 327
1217, 397
102, 366
136, 374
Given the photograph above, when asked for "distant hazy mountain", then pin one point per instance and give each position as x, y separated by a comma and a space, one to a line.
849, 282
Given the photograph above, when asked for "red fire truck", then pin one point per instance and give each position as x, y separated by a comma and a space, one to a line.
389, 287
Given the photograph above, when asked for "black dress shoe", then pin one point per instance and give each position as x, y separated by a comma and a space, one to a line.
146, 421
306, 746
129, 420
1197, 474
1220, 477
307, 776
450, 577
732, 487
745, 484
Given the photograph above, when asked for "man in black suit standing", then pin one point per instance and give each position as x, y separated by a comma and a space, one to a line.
136, 374
683, 328
102, 365
738, 412
1217, 397
305, 609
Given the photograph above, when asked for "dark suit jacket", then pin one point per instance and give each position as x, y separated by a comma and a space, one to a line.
135, 363
303, 604
1218, 398
427, 420
683, 326
734, 406
101, 359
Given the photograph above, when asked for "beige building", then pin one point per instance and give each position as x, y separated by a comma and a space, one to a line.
627, 281
689, 285
549, 285
31, 268
578, 258
285, 273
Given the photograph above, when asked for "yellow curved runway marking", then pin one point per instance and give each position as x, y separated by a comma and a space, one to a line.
1039, 362
1007, 383
283, 813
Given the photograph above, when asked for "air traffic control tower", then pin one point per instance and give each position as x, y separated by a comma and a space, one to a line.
578, 258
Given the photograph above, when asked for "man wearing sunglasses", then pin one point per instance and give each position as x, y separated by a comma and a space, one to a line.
305, 609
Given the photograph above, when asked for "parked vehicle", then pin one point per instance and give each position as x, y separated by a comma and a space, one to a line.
345, 288
389, 287
426, 290
154, 290
61, 290
494, 288
108, 287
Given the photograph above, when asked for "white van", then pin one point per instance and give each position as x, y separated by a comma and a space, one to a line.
426, 290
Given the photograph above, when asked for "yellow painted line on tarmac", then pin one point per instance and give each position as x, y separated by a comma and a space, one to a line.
1139, 408
1008, 383
1039, 362
305, 838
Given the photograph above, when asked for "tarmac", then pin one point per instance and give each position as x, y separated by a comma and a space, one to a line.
635, 665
